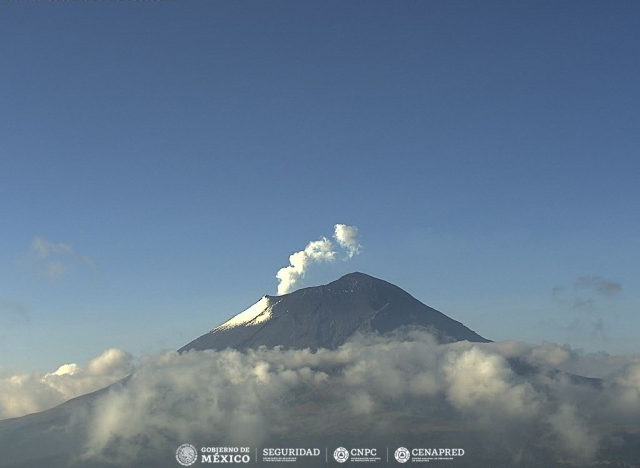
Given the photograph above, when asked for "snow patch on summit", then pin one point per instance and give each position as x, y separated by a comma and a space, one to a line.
258, 313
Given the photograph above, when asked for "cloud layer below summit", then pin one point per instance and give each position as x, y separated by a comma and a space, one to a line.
260, 395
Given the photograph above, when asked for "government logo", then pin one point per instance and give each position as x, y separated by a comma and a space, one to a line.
187, 455
402, 455
341, 454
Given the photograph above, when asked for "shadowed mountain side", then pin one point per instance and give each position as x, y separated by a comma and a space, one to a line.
50, 438
528, 369
326, 316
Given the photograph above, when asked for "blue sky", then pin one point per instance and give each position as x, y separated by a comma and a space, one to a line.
169, 156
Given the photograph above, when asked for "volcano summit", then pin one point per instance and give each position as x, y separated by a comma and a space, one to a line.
326, 316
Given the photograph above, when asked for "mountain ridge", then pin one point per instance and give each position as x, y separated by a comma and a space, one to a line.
326, 316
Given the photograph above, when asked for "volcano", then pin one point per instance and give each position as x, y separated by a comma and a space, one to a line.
326, 316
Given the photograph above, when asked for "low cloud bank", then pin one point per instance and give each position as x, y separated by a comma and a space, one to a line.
22, 394
383, 384
248, 398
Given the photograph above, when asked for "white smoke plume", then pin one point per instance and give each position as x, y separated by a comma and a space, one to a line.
22, 394
346, 237
316, 251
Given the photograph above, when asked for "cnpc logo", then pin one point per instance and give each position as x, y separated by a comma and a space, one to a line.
341, 454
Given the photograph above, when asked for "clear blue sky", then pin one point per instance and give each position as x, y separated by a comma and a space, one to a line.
169, 156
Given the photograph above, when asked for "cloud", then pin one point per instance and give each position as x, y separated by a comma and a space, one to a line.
13, 313
55, 270
56, 259
599, 285
22, 394
46, 249
482, 382
588, 304
346, 237
587, 297
573, 433
265, 394
394, 386
315, 252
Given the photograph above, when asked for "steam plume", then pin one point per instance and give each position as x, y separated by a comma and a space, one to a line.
316, 251
346, 237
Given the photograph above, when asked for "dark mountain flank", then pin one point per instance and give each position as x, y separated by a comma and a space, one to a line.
326, 316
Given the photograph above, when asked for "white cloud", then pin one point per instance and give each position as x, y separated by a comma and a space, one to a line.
346, 237
22, 394
45, 249
246, 398
387, 383
483, 382
55, 270
56, 259
573, 433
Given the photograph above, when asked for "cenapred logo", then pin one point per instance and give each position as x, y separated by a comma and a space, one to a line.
187, 455
424, 455
341, 454
402, 455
